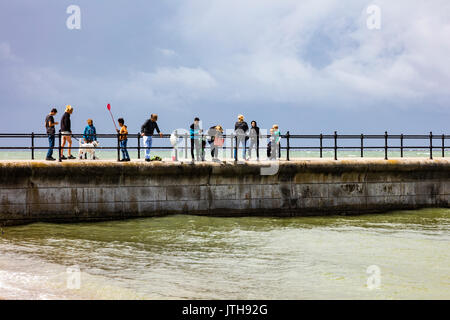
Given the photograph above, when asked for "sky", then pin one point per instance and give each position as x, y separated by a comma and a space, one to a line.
310, 66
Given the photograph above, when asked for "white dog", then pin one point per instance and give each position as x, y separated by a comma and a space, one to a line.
87, 148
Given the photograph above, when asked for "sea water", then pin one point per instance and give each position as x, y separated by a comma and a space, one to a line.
397, 255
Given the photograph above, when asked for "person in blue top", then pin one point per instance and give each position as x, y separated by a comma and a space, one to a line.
197, 142
90, 134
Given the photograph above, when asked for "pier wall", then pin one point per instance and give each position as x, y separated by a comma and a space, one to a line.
32, 191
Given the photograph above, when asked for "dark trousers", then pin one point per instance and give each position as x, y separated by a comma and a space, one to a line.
254, 143
214, 149
199, 146
51, 145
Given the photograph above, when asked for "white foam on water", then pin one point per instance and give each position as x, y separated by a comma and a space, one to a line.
30, 278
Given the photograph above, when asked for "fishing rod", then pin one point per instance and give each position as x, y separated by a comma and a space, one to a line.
112, 118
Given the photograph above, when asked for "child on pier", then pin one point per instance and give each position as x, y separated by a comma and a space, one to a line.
123, 140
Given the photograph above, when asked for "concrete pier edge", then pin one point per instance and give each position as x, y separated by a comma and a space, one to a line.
76, 191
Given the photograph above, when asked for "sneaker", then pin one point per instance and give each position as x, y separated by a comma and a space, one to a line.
63, 158
50, 159
147, 159
71, 157
122, 160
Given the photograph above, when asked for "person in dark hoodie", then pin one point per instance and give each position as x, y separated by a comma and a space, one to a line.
240, 130
66, 132
196, 140
254, 140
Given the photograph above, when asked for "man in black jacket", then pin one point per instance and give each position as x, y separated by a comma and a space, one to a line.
240, 130
147, 130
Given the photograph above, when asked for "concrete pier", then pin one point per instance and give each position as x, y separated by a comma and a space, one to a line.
74, 191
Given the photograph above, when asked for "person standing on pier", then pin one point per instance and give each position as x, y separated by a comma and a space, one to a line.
147, 130
218, 141
123, 139
254, 140
50, 127
196, 140
66, 132
240, 130
275, 137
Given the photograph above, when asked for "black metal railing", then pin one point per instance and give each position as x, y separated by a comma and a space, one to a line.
435, 142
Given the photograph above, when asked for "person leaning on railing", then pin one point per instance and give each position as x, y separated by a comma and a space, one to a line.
50, 128
147, 130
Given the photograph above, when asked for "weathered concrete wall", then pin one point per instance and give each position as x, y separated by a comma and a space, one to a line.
87, 191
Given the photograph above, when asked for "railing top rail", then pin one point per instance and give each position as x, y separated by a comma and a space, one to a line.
294, 136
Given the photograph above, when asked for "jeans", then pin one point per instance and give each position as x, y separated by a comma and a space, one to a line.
51, 144
254, 143
123, 148
199, 147
148, 146
274, 150
241, 140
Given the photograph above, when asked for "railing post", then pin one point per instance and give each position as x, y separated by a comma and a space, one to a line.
231, 146
287, 146
185, 146
118, 146
202, 147
139, 145
279, 150
401, 145
385, 145
431, 145
321, 144
335, 145
236, 149
59, 146
362, 145
32, 146
443, 146
176, 145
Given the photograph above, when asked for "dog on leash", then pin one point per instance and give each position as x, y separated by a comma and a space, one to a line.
87, 149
